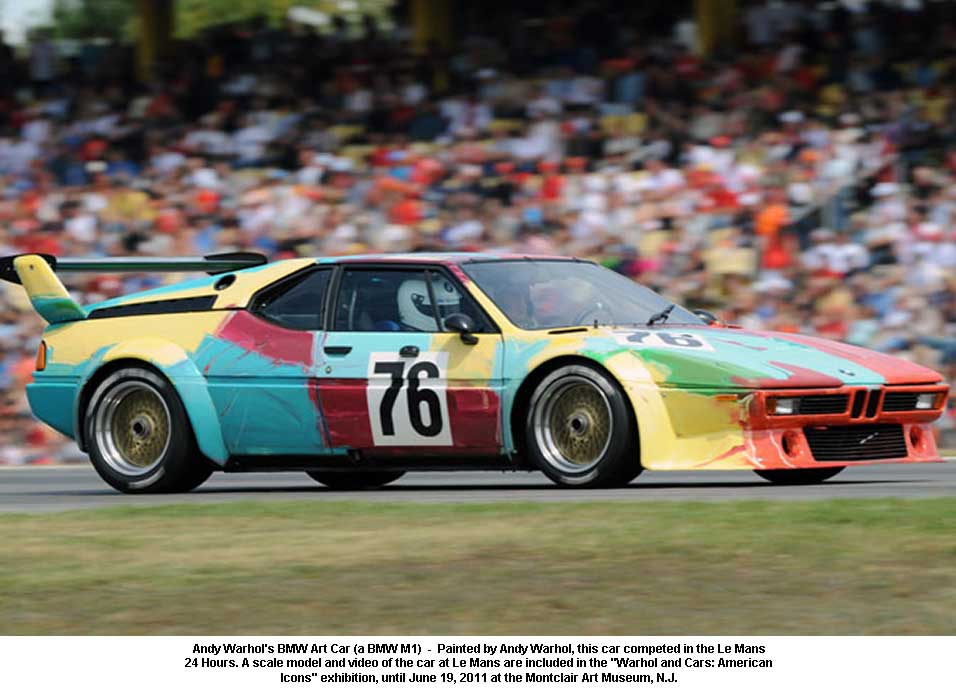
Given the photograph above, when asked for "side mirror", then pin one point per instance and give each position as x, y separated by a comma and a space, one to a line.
707, 316
463, 325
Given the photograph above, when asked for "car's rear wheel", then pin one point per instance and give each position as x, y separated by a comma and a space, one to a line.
799, 476
139, 436
355, 481
579, 430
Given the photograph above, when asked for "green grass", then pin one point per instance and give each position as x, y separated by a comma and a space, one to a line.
836, 567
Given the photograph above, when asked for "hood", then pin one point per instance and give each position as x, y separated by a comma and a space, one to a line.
733, 358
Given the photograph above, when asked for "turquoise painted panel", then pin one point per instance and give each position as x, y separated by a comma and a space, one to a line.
263, 406
52, 402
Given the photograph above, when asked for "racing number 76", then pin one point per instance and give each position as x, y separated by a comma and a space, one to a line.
416, 396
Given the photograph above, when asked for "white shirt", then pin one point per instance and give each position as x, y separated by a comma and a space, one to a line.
466, 116
359, 101
209, 141
37, 130
470, 229
205, 177
82, 228
249, 142
167, 162
939, 253
665, 179
413, 94
584, 90
544, 105
17, 155
543, 140
836, 257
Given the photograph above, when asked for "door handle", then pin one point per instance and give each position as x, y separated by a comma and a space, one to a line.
408, 351
337, 350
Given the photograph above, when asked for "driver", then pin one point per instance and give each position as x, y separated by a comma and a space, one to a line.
548, 303
514, 298
415, 309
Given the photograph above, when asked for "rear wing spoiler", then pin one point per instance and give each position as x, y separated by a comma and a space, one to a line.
53, 302
211, 264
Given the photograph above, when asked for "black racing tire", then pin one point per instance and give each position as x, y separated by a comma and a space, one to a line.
795, 477
355, 480
579, 429
139, 437
195, 476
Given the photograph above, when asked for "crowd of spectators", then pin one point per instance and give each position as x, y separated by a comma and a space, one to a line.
805, 181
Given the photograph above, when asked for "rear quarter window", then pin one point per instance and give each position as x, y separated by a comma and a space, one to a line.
297, 303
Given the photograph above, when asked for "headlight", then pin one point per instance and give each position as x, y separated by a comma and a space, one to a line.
783, 406
926, 400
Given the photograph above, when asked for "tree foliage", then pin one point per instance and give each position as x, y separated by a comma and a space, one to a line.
86, 19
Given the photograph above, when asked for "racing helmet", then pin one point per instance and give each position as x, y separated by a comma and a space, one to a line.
415, 306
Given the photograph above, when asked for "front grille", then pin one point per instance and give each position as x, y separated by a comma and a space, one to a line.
858, 397
900, 401
823, 404
849, 443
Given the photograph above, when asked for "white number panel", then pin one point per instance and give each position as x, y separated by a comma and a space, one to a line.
407, 399
659, 339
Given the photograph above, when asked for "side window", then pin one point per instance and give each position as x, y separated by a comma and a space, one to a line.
451, 299
375, 300
297, 304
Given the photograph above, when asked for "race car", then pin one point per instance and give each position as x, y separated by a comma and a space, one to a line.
359, 369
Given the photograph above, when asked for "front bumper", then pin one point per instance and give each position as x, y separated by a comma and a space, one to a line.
875, 426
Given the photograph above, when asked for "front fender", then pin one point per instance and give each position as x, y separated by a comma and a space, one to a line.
174, 363
528, 355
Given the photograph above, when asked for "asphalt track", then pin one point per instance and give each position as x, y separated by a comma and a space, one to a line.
51, 489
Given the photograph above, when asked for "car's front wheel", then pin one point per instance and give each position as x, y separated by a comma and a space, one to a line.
353, 480
139, 436
799, 476
579, 430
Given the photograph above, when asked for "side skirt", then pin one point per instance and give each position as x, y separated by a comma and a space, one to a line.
305, 463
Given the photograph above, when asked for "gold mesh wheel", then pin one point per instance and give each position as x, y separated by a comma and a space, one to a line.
132, 428
573, 424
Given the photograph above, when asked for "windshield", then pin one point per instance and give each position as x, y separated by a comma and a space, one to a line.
546, 294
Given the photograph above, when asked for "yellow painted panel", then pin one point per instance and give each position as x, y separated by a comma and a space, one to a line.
237, 295
78, 341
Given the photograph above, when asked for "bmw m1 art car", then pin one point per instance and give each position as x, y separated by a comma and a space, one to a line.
359, 369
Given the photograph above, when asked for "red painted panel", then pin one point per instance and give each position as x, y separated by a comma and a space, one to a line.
475, 422
271, 341
345, 407
798, 376
473, 412
895, 370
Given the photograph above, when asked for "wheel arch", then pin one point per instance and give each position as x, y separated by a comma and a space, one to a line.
188, 383
522, 397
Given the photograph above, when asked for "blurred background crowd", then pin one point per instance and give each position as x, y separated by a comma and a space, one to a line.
803, 179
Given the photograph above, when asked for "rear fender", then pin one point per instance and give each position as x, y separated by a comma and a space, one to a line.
174, 363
